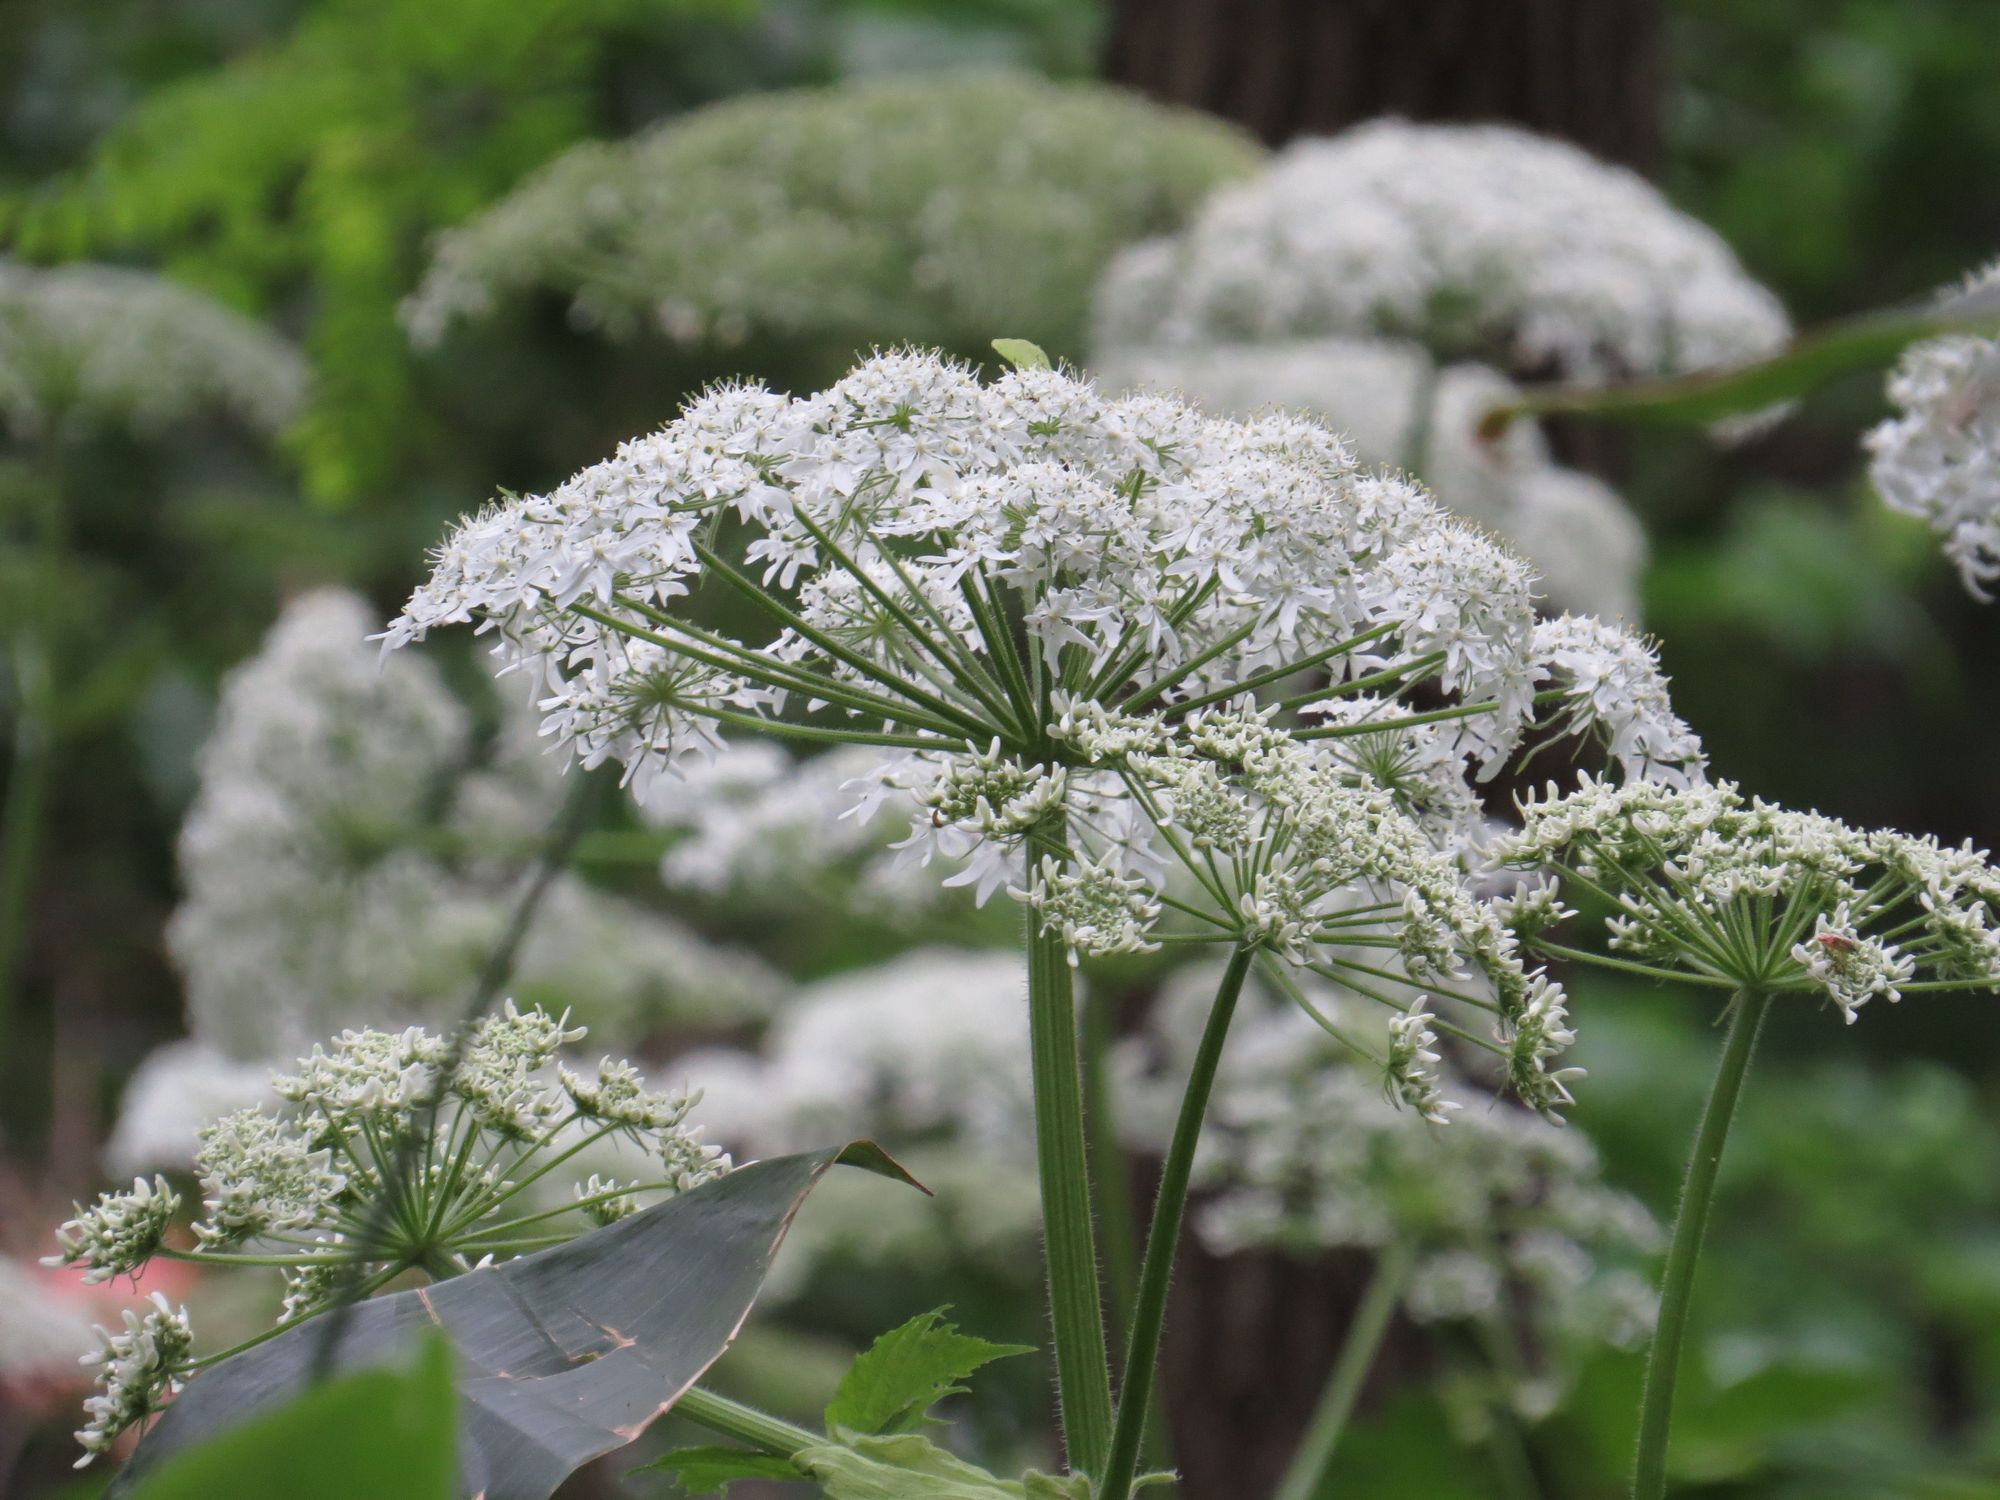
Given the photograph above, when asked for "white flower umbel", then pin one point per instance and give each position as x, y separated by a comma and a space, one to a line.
1938, 458
1048, 613
764, 829
352, 854
138, 1366
1709, 886
943, 209
393, 1151
1610, 684
97, 346
1477, 241
118, 1233
933, 1044
1395, 405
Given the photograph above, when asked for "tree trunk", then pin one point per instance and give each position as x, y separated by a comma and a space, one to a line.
1586, 70
1250, 1338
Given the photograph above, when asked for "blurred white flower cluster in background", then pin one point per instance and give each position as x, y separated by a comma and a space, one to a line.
352, 858
945, 210
1938, 457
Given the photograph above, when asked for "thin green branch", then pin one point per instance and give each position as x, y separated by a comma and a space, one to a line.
1149, 1311
1656, 1405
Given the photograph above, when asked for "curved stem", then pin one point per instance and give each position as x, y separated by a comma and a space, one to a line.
1076, 1310
1656, 1405
1310, 1466
762, 1431
1149, 1310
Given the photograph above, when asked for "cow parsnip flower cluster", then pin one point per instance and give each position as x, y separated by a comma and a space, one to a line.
764, 828
1938, 458
1480, 242
1051, 613
389, 1151
1721, 889
352, 853
101, 346
1398, 407
926, 1053
937, 209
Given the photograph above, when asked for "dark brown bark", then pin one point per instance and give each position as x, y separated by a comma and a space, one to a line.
1250, 1338
1585, 70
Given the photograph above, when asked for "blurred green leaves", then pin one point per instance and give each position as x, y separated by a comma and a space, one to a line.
387, 1433
301, 178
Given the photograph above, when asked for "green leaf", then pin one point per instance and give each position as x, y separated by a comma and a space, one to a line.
307, 1449
906, 1372
904, 1466
1808, 361
564, 1355
1021, 354
710, 1471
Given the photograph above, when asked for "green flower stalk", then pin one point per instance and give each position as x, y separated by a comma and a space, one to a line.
1711, 888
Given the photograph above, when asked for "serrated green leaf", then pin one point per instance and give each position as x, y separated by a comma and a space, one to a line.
710, 1471
1022, 355
906, 1372
306, 1449
1808, 361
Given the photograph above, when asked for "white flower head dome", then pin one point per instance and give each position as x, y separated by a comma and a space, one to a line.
1478, 241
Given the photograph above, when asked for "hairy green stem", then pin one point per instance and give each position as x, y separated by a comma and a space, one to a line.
1076, 1309
1117, 1219
1656, 1405
1310, 1467
1149, 1311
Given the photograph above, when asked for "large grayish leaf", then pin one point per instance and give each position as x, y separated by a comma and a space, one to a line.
561, 1356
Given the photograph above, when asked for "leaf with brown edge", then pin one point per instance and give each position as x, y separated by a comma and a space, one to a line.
563, 1355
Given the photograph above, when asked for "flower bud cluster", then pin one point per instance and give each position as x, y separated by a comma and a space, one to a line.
1736, 892
394, 1150
137, 1366
118, 1233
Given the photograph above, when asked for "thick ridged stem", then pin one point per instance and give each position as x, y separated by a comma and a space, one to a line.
1656, 1404
1149, 1310
1062, 1154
